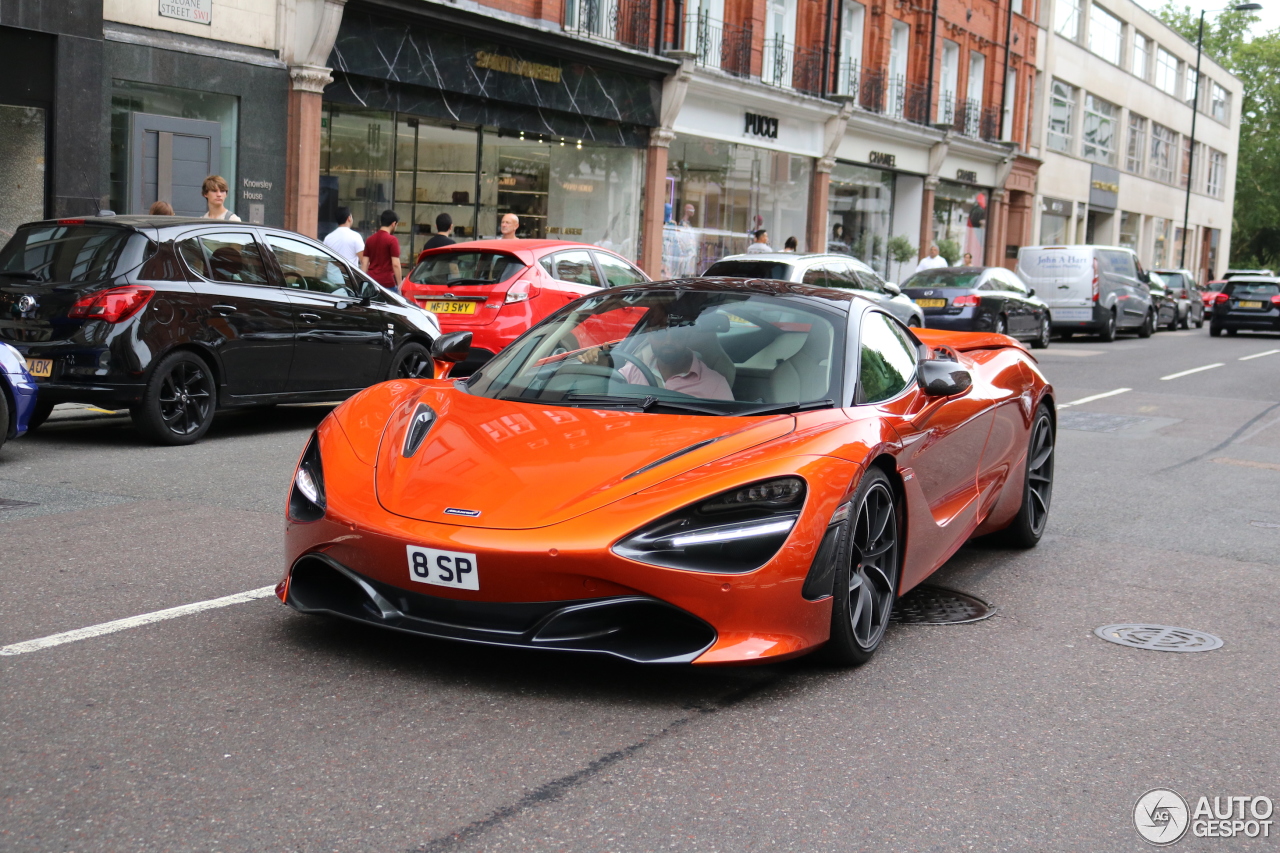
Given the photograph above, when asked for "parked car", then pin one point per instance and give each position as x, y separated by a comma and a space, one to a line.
1098, 290
1182, 287
1247, 302
1163, 302
17, 394
980, 299
497, 289
174, 318
1210, 292
1230, 274
827, 270
602, 501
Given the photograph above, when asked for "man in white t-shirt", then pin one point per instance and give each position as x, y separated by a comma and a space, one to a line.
345, 240
760, 244
931, 261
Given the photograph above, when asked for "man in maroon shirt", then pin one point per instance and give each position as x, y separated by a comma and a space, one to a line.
382, 252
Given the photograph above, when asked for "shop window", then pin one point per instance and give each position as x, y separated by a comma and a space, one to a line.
1129, 230
1054, 228
1137, 144
1062, 106
960, 221
1099, 130
22, 151
860, 214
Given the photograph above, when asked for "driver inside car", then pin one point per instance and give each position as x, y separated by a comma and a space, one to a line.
667, 351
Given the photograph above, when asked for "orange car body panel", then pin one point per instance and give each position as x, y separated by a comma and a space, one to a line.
553, 490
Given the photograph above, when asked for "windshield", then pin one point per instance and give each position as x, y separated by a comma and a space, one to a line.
943, 278
1252, 289
63, 253
675, 350
751, 269
465, 268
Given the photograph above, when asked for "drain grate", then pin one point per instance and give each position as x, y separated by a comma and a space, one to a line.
933, 605
1159, 638
9, 503
1097, 421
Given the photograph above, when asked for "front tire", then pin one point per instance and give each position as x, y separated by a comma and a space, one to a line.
179, 401
866, 583
412, 361
1041, 340
1148, 327
1037, 486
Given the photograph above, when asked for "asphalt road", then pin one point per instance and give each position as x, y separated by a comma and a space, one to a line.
251, 728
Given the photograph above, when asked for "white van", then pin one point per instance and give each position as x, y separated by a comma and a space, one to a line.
1096, 290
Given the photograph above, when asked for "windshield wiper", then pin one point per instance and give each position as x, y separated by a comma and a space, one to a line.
644, 404
785, 408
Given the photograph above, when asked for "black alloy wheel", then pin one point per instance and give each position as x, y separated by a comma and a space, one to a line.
412, 361
179, 401
1148, 327
1108, 333
1173, 321
1041, 340
1199, 320
1185, 322
866, 583
1037, 488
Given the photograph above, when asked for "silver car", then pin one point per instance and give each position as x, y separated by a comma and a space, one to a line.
822, 271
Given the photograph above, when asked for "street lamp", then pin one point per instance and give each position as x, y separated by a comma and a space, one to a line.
1195, 109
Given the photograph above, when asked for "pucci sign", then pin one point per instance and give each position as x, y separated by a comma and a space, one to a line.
758, 125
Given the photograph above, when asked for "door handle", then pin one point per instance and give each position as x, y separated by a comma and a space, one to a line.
224, 310
310, 318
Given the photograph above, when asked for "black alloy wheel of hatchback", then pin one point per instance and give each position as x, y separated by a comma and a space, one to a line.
1041, 340
412, 362
179, 402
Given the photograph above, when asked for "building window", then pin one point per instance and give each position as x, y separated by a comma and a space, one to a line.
1016, 7
1218, 103
1189, 87
1062, 105
1099, 131
1105, 34
1184, 165
1217, 170
1160, 164
1066, 19
1141, 55
1129, 230
1010, 97
1166, 71
1137, 144
851, 27
950, 80
1162, 239
1055, 222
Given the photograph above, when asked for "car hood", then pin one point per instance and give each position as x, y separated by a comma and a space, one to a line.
509, 465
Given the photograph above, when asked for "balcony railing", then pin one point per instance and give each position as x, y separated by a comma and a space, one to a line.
788, 67
876, 91
624, 21
719, 45
966, 117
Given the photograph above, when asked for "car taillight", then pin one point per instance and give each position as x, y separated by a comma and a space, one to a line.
969, 299
112, 306
522, 291
1275, 300
1220, 298
1095, 279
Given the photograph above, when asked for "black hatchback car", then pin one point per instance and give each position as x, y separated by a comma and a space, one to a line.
980, 299
174, 318
1246, 302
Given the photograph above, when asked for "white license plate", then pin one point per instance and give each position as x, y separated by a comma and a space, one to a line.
1072, 315
443, 568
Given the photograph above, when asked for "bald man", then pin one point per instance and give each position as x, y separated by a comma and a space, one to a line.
509, 226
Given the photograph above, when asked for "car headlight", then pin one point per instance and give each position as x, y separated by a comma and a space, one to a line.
736, 531
306, 497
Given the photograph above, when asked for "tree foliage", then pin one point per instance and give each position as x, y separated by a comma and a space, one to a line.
1256, 61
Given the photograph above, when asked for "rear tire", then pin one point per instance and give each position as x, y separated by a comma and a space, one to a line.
1173, 322
1186, 321
1037, 485
1231, 333
1148, 327
1200, 322
1041, 340
916, 323
1108, 333
179, 401
412, 361
1215, 331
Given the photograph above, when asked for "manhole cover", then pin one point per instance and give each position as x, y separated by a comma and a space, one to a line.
1097, 421
1160, 638
933, 605
8, 503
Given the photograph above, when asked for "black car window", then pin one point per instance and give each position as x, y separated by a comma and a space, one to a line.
617, 272
841, 274
815, 275
575, 267
870, 281
465, 267
231, 257
888, 360
63, 253
1010, 282
306, 267
1251, 289
751, 269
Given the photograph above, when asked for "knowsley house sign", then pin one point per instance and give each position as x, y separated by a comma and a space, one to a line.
196, 11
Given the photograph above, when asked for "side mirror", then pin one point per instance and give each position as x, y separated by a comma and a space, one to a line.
893, 289
448, 350
942, 378
1031, 292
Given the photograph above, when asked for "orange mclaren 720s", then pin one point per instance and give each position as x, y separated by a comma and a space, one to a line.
708, 471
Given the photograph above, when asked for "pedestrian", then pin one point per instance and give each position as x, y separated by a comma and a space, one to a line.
509, 226
382, 252
760, 243
791, 245
214, 190
931, 261
161, 208
444, 233
968, 259
344, 239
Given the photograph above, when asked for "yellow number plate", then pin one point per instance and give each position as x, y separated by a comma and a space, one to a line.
452, 307
1249, 305
41, 368
932, 303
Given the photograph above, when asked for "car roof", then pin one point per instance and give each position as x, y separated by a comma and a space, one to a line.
845, 300
522, 244
791, 257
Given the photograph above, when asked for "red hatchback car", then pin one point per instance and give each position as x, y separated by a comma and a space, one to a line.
496, 289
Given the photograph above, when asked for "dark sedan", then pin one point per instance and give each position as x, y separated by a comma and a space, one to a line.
980, 299
174, 318
1246, 302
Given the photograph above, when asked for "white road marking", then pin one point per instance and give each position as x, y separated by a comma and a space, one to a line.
1258, 355
134, 621
1074, 353
1094, 397
1189, 372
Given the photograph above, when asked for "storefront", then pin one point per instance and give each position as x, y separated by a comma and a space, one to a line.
860, 214
960, 222
463, 124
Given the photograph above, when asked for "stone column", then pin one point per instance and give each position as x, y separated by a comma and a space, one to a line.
655, 199
819, 195
997, 224
302, 157
926, 214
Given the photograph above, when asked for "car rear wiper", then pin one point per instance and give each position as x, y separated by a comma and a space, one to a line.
785, 408
644, 404
22, 274
461, 281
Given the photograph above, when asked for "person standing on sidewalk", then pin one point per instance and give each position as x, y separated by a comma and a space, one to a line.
508, 227
382, 253
214, 190
444, 233
344, 239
